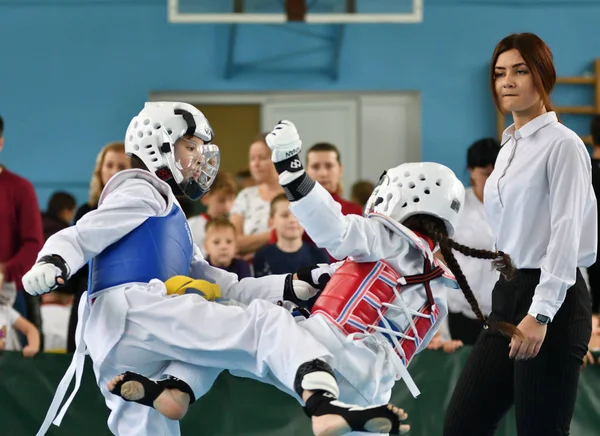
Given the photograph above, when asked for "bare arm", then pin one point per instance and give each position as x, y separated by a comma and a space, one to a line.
33, 336
248, 243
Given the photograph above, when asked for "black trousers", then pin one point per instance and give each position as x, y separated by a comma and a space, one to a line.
594, 276
542, 389
463, 328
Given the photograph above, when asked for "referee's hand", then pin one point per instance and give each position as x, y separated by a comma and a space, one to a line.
588, 359
527, 346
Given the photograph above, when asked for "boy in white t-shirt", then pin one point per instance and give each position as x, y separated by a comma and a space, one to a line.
56, 310
218, 201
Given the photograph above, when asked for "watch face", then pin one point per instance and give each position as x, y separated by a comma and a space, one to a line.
542, 319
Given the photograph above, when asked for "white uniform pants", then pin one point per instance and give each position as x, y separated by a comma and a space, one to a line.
261, 339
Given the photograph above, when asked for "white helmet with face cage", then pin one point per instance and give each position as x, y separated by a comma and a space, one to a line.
152, 135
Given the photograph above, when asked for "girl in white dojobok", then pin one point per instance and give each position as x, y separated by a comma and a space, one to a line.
138, 238
384, 304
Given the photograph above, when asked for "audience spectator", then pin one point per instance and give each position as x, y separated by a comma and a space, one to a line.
21, 238
59, 213
324, 164
244, 179
220, 247
11, 323
290, 252
474, 231
110, 160
250, 212
594, 270
218, 202
361, 191
56, 310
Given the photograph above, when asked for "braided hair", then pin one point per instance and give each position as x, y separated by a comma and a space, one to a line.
435, 229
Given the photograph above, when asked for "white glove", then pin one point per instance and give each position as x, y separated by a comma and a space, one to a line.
43, 277
304, 291
284, 141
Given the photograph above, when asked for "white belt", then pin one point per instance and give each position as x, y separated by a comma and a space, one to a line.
54, 416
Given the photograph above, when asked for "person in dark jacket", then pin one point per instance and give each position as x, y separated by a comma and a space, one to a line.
59, 213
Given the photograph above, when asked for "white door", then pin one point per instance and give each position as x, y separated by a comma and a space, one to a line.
390, 133
334, 120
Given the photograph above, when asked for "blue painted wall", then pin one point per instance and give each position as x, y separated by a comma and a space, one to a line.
73, 73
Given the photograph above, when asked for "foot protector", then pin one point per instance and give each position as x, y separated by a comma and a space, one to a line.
175, 383
151, 388
357, 417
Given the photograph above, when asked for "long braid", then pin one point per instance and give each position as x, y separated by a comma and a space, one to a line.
435, 229
500, 260
445, 244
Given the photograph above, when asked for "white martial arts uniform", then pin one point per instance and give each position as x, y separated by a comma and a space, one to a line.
134, 326
371, 363
366, 366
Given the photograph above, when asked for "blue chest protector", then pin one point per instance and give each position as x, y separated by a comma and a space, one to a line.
160, 248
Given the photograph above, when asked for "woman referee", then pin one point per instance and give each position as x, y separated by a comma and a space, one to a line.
541, 206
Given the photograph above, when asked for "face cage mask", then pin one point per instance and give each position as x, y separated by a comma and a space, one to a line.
195, 180
374, 200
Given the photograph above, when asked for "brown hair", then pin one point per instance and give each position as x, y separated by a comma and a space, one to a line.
537, 56
58, 202
324, 146
219, 223
277, 199
327, 146
224, 182
261, 137
435, 229
361, 191
96, 185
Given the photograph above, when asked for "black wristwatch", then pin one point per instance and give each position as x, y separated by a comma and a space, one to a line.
542, 319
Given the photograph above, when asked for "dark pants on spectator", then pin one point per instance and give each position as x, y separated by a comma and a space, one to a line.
21, 306
542, 389
29, 308
463, 328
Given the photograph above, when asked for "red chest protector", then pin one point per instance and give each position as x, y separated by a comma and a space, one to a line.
359, 295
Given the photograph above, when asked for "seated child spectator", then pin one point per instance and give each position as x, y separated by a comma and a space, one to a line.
220, 247
56, 310
11, 323
290, 252
218, 202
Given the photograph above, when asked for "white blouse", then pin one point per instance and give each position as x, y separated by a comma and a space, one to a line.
542, 208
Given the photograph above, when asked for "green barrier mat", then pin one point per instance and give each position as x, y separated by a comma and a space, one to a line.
246, 407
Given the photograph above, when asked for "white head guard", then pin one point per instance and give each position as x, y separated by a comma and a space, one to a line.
152, 135
418, 188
